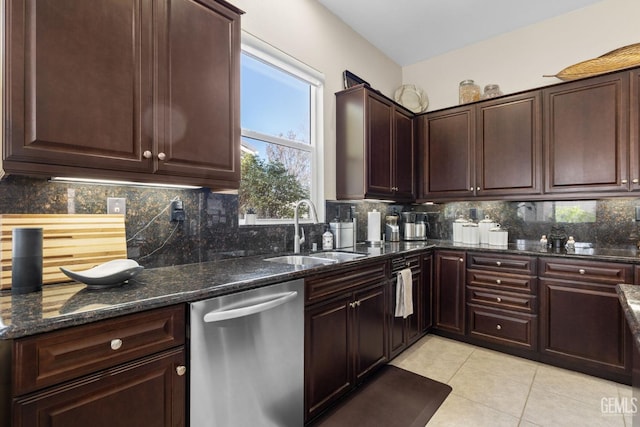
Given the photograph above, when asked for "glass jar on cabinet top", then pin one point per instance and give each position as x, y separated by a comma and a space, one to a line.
469, 91
491, 91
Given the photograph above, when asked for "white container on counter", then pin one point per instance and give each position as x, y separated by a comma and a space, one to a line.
484, 226
457, 229
498, 237
470, 234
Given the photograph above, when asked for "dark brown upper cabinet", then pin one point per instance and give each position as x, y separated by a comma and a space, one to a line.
634, 127
509, 146
139, 90
491, 148
586, 138
374, 147
446, 147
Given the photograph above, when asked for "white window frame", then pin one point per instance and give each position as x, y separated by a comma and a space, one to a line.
267, 53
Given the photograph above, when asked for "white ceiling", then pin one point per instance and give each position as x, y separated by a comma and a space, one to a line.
411, 31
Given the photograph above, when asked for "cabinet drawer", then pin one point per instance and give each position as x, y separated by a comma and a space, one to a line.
513, 329
325, 285
586, 271
501, 262
502, 281
58, 356
504, 300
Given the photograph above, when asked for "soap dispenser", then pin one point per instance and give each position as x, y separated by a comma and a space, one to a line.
327, 239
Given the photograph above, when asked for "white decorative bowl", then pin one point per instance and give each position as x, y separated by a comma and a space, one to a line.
111, 273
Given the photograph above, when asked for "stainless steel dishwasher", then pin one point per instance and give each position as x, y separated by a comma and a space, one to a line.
247, 358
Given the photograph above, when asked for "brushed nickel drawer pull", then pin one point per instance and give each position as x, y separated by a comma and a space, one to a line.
498, 263
498, 281
181, 369
582, 271
499, 299
498, 327
116, 344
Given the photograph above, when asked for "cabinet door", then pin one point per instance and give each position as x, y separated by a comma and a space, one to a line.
509, 146
328, 361
449, 291
447, 148
426, 310
584, 328
404, 165
370, 337
199, 70
586, 135
148, 392
379, 147
634, 124
79, 87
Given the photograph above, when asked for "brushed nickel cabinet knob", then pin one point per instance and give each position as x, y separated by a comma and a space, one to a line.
147, 154
162, 156
181, 370
116, 344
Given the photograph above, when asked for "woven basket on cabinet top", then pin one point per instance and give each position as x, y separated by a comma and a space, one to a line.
624, 57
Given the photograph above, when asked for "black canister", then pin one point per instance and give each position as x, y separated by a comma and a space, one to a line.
26, 261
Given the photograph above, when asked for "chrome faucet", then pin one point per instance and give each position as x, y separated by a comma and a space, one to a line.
297, 240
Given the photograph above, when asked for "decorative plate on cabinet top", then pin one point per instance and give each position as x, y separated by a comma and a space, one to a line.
111, 273
412, 97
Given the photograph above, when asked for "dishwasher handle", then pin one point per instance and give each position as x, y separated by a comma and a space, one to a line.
234, 313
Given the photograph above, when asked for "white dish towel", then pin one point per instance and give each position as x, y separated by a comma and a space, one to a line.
404, 294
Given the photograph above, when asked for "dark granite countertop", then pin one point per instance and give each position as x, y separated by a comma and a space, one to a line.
629, 296
59, 306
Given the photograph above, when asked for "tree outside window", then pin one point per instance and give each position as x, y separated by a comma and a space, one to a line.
277, 149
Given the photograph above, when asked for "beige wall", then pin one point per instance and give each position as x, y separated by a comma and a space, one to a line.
517, 60
307, 31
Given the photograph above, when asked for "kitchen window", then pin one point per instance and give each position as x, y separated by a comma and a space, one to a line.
281, 119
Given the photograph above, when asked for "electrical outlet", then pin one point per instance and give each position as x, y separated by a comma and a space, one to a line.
177, 211
117, 205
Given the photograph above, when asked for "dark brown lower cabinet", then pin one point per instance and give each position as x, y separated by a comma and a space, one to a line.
120, 372
345, 340
449, 286
582, 322
503, 327
405, 331
144, 393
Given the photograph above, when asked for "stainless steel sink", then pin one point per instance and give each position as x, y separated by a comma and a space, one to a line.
301, 260
317, 258
339, 256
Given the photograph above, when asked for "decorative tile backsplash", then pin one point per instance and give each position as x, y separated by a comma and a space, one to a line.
211, 230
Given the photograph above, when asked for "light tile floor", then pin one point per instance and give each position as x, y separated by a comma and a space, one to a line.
494, 389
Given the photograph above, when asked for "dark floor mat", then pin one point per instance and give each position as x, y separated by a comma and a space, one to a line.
392, 398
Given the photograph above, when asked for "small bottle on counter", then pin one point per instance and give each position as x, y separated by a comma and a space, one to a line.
543, 241
571, 244
327, 239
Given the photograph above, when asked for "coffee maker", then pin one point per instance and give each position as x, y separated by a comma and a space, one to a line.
422, 226
392, 229
414, 226
408, 226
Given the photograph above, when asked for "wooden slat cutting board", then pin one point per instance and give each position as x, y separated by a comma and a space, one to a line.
76, 242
